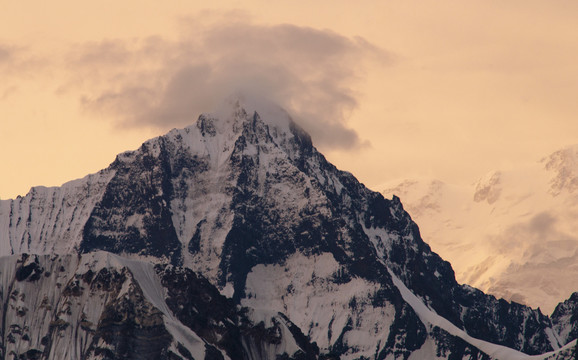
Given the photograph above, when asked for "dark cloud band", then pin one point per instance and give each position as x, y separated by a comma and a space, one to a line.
162, 83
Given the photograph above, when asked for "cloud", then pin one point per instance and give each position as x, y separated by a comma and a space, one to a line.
19, 63
5, 53
537, 249
542, 224
162, 83
16, 65
9, 91
537, 240
106, 52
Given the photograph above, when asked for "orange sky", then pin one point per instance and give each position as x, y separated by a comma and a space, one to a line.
445, 89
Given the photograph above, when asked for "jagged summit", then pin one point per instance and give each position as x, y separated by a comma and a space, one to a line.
238, 105
240, 112
217, 143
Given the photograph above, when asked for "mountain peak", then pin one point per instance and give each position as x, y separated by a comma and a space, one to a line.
251, 125
244, 199
240, 108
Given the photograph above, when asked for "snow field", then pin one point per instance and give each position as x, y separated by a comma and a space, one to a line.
317, 304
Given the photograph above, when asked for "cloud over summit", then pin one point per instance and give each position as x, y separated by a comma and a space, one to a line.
155, 82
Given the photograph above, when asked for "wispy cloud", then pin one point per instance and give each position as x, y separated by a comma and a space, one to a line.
532, 239
17, 64
163, 83
20, 60
5, 53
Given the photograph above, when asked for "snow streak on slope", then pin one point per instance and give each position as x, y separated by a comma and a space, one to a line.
150, 284
430, 318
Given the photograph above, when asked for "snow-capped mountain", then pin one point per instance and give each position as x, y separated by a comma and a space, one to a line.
300, 260
511, 233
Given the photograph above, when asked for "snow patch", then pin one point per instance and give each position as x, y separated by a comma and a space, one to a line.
308, 290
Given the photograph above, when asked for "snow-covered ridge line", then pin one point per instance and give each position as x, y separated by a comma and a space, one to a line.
50, 219
429, 317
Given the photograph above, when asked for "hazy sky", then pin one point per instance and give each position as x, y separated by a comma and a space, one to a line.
388, 89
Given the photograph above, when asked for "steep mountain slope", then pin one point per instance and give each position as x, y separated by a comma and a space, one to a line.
244, 199
50, 220
565, 318
101, 306
510, 233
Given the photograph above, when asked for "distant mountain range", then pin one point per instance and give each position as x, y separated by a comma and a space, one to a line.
513, 233
234, 238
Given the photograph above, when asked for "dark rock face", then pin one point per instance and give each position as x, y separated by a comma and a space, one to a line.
454, 347
30, 271
504, 321
131, 328
133, 215
565, 318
